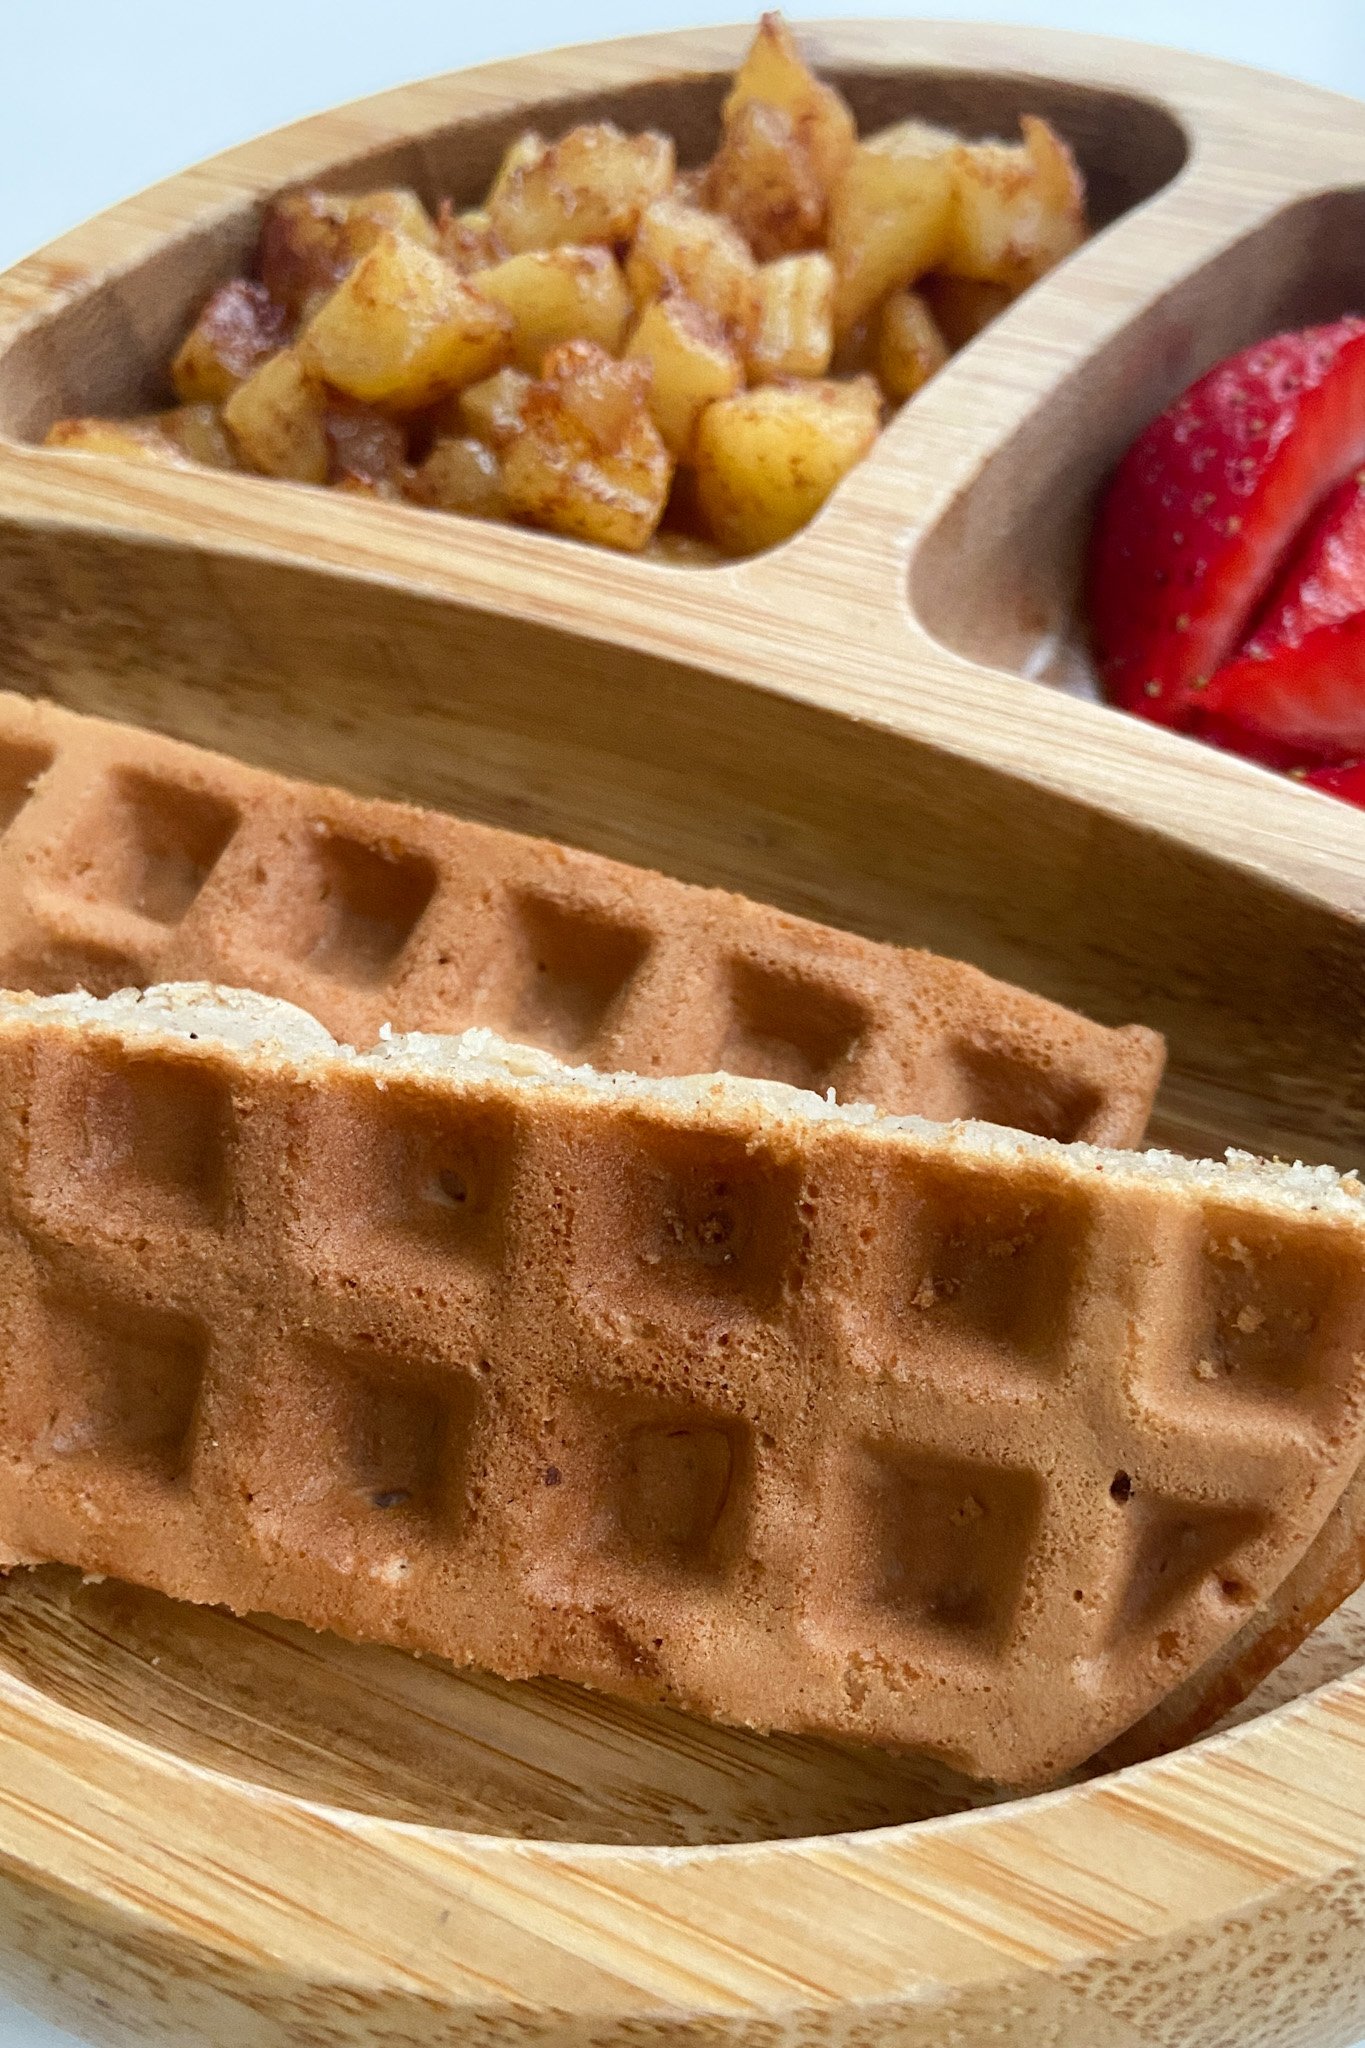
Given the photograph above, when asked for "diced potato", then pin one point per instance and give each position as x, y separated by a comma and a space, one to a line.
889, 219
492, 410
910, 344
795, 336
310, 239
589, 461
467, 240
768, 459
277, 421
563, 294
461, 475
198, 431
690, 364
775, 74
367, 451
763, 181
1018, 208
142, 440
962, 307
681, 249
590, 186
239, 327
403, 329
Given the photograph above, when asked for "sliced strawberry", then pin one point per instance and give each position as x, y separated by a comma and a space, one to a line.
1295, 706
1323, 581
1205, 503
1347, 782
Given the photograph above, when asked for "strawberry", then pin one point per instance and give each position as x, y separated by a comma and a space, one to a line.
1205, 503
1324, 580
1293, 705
1347, 782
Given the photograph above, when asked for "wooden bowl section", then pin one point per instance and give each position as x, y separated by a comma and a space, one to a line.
231, 1831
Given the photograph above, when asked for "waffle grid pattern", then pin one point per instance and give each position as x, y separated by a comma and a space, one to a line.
792, 1422
128, 860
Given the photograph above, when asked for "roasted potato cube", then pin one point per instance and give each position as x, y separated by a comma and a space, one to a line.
367, 451
764, 182
467, 240
962, 306
277, 421
768, 459
1018, 208
775, 74
140, 440
910, 344
461, 475
588, 460
690, 364
491, 411
681, 249
889, 219
563, 294
590, 186
310, 239
402, 329
795, 336
198, 431
239, 327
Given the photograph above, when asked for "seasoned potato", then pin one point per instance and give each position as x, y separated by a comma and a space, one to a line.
768, 459
467, 240
199, 432
366, 450
962, 307
889, 218
690, 363
277, 421
590, 186
460, 475
403, 329
795, 336
681, 249
588, 460
763, 181
142, 440
310, 239
910, 344
239, 327
775, 74
492, 410
563, 294
1018, 208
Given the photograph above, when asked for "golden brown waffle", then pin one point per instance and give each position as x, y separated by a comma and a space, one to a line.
704, 1390
131, 859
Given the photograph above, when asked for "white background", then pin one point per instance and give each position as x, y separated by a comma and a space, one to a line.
102, 96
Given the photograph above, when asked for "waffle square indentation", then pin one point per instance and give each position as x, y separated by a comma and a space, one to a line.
1269, 1323
1000, 1084
945, 1542
1175, 1548
147, 846
784, 1026
111, 1385
121, 1146
356, 907
21, 764
578, 962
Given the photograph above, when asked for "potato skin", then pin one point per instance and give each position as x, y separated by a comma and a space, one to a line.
768, 459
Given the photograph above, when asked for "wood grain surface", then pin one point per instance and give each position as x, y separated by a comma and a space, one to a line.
236, 1833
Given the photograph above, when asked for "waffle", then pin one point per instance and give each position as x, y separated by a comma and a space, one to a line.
130, 860
706, 1391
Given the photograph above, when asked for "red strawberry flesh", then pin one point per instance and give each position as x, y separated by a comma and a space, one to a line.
1324, 579
1347, 782
1206, 503
1295, 706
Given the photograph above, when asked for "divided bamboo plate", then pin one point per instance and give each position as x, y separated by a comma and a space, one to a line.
233, 1832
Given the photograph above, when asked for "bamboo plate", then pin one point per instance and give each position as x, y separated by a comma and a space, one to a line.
233, 1832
